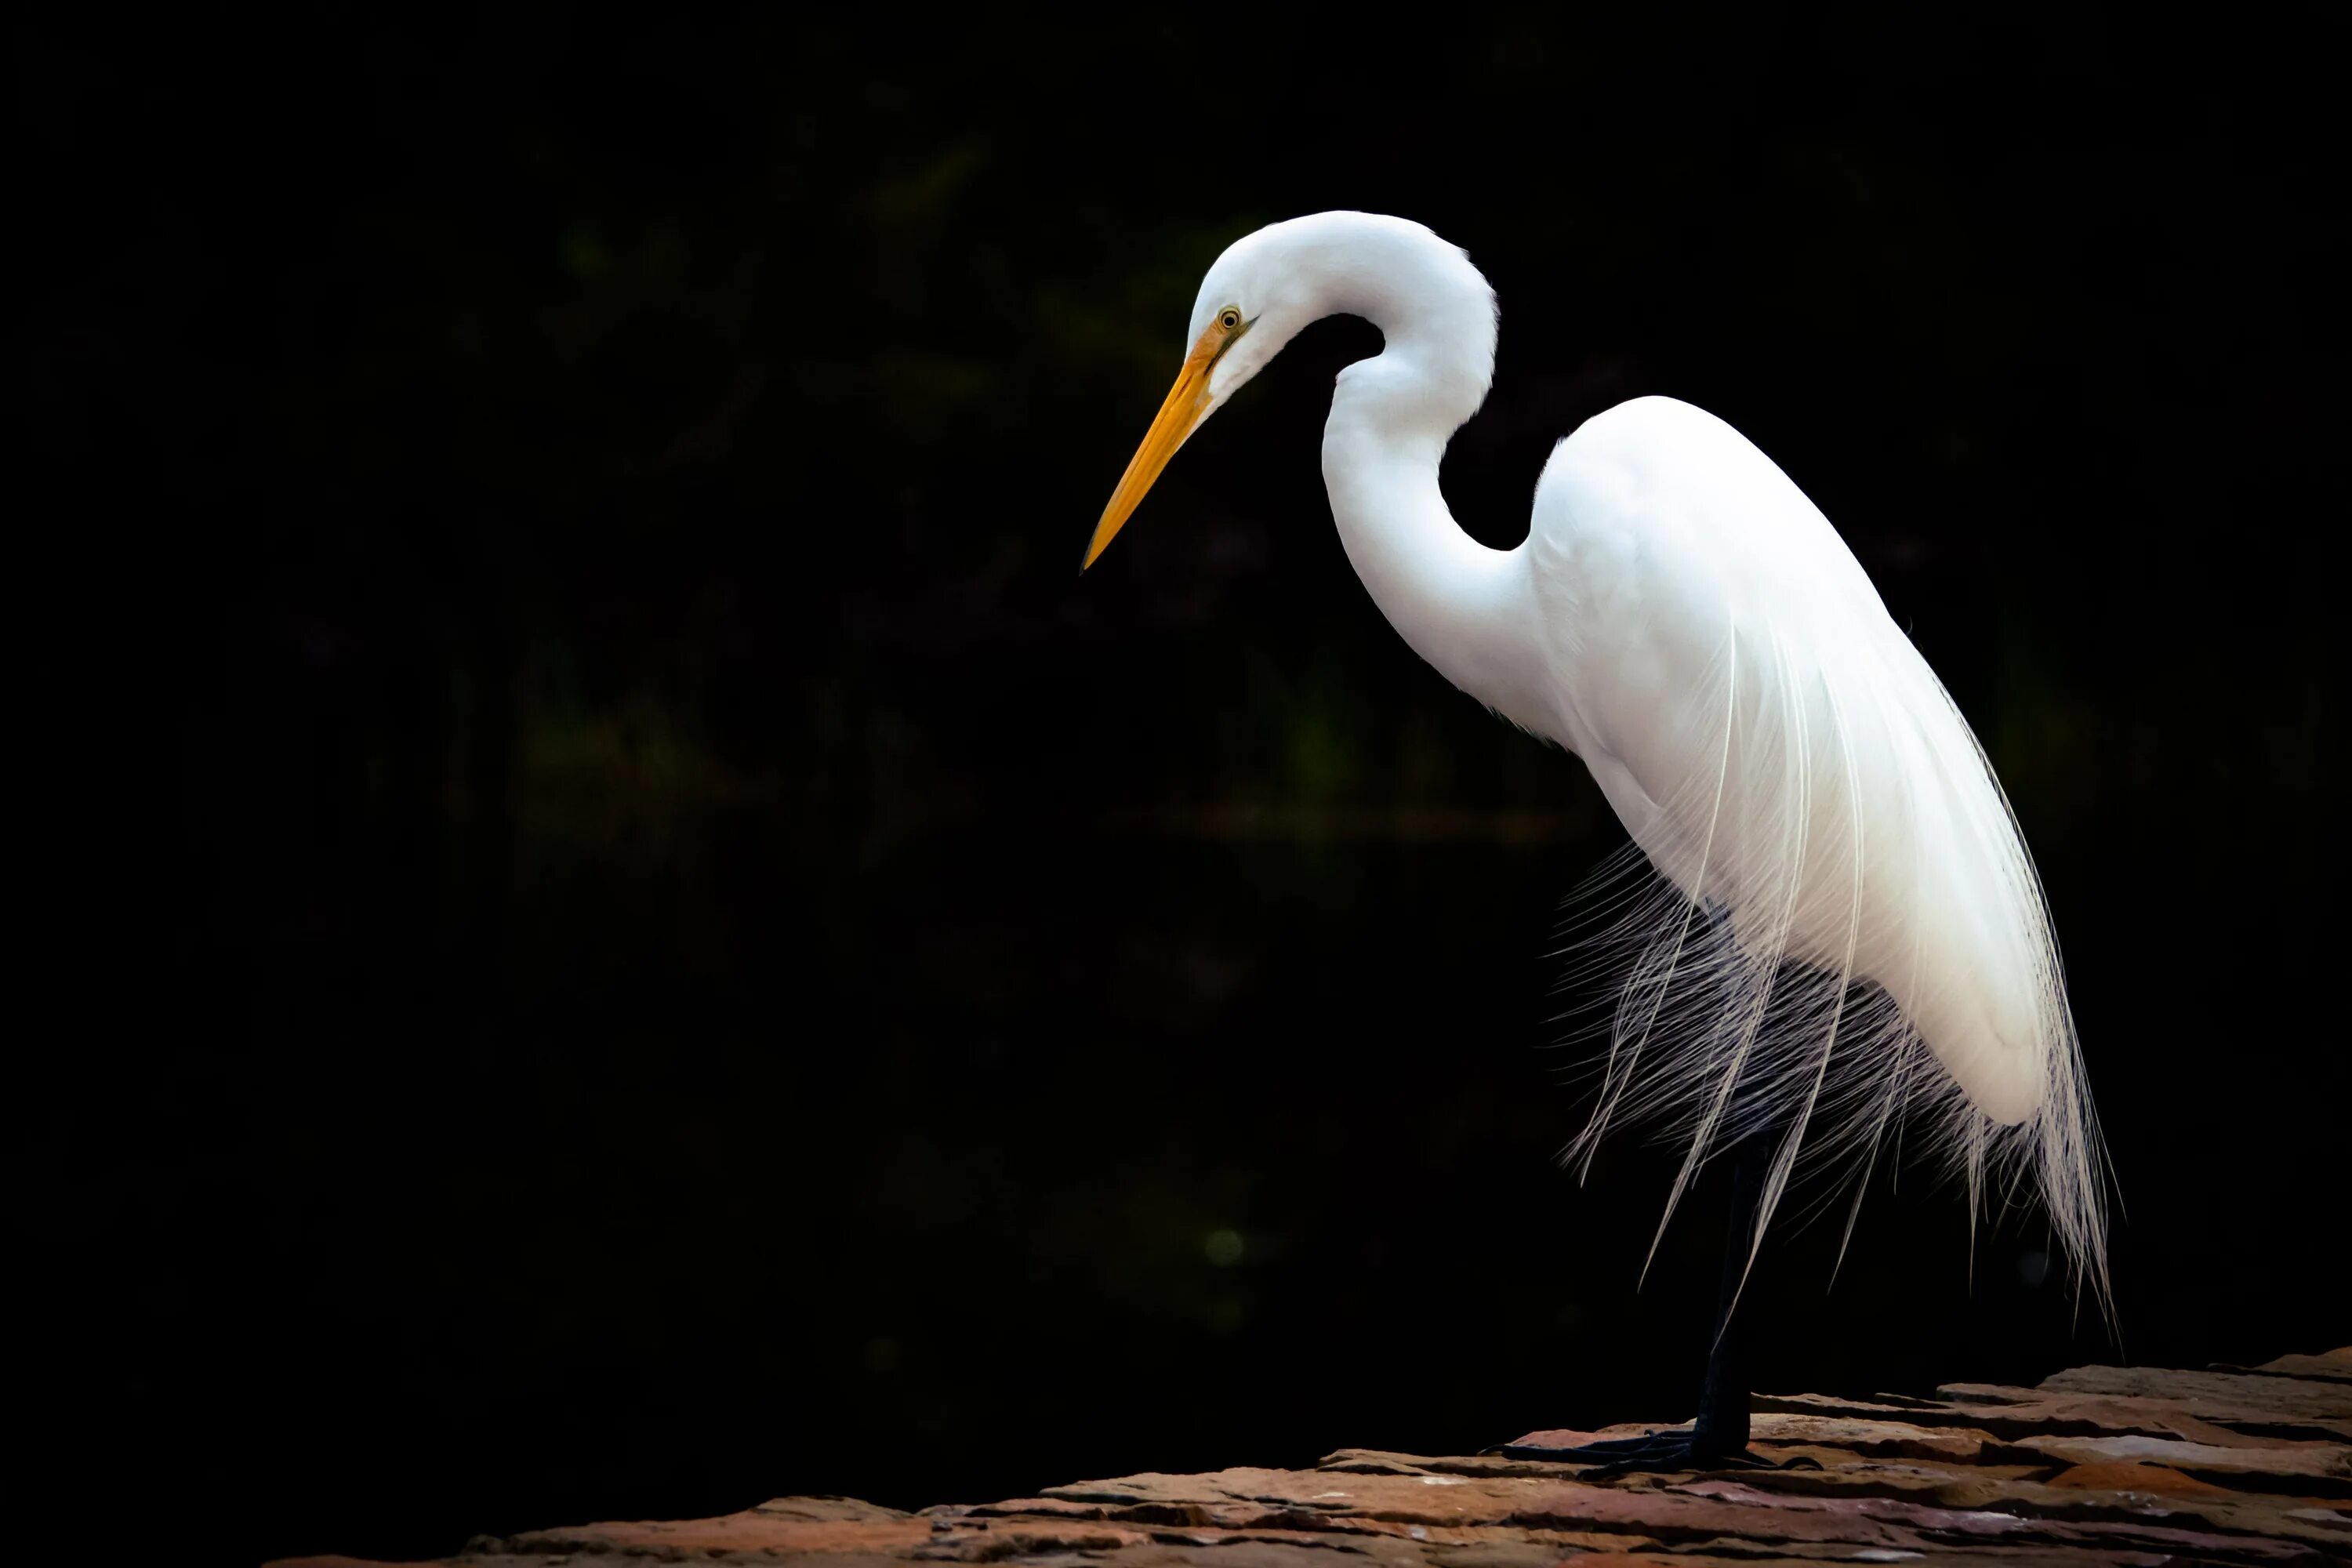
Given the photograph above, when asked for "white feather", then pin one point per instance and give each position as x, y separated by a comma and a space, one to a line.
1846, 904
1830, 924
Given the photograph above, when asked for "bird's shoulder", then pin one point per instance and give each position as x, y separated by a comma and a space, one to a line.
1663, 492
1660, 535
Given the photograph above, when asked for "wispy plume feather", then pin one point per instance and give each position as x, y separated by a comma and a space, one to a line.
1833, 933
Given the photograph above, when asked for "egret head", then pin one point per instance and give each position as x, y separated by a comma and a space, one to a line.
1269, 285
1252, 301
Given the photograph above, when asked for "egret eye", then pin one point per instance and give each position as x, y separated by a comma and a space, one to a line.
1230, 319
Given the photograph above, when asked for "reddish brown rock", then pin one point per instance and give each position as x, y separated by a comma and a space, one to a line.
2316, 1470
2243, 1395
2329, 1366
2201, 1406
2118, 1475
2098, 1466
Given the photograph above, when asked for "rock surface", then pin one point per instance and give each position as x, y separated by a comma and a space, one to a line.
2098, 1466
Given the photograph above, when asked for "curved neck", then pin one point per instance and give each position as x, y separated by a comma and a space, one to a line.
1462, 606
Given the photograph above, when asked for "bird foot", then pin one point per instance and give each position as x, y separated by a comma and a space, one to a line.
1667, 1453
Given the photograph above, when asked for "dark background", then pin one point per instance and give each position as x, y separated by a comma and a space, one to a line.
637, 941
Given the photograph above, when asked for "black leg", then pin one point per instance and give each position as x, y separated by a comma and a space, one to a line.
1718, 1437
1722, 1425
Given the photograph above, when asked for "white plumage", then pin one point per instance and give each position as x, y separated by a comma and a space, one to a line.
1833, 923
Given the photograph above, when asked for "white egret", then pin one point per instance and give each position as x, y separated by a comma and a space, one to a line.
1827, 923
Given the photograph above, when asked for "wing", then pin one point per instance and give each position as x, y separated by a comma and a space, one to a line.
1847, 920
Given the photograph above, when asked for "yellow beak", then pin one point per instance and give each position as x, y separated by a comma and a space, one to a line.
1187, 405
